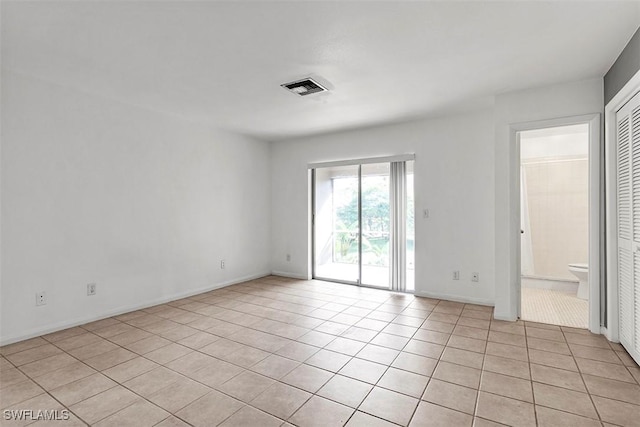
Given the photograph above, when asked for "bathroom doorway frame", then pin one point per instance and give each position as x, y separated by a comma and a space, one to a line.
596, 208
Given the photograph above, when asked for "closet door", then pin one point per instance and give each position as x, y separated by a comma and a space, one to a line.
628, 195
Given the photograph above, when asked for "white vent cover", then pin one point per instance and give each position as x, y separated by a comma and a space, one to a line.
304, 87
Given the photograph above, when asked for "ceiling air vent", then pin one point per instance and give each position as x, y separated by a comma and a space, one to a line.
304, 87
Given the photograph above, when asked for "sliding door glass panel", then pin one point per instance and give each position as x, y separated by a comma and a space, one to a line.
336, 224
375, 225
411, 231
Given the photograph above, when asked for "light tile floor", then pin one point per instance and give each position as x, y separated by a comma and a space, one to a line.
277, 351
555, 307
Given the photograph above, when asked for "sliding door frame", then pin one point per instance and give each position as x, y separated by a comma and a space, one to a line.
356, 162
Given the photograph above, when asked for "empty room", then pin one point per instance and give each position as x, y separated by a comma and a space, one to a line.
326, 213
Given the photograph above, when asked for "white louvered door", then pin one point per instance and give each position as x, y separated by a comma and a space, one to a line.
628, 199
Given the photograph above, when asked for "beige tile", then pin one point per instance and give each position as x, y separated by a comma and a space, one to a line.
93, 350
443, 317
359, 334
415, 363
246, 357
179, 394
594, 353
112, 330
275, 366
506, 338
198, 340
470, 332
130, 369
147, 345
557, 377
554, 360
403, 382
564, 400
363, 370
110, 359
11, 376
375, 353
465, 343
166, 354
423, 348
548, 417
587, 339
434, 325
457, 374
451, 395
508, 327
141, 413
360, 419
515, 388
63, 334
428, 415
389, 405
33, 354
345, 346
216, 373
319, 412
152, 381
502, 365
129, 337
307, 378
613, 411
18, 393
246, 386
248, 416
281, 400
22, 346
463, 357
191, 363
508, 351
603, 369
546, 345
298, 351
545, 334
316, 338
62, 376
345, 390
481, 422
210, 409
172, 422
328, 360
79, 341
475, 323
82, 389
40, 367
505, 410
432, 336
612, 389
104, 404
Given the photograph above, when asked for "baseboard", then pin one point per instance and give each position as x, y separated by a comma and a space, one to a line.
36, 332
456, 298
290, 275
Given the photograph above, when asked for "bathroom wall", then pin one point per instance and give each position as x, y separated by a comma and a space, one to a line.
555, 187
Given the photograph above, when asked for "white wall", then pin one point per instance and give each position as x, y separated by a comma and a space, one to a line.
454, 170
547, 103
141, 203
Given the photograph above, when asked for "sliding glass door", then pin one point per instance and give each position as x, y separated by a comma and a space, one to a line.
359, 212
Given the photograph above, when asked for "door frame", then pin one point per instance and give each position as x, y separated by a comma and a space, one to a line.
595, 190
612, 327
312, 208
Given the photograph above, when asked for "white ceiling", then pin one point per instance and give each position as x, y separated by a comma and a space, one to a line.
223, 62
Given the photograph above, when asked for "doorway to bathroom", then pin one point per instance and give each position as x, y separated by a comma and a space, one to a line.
554, 218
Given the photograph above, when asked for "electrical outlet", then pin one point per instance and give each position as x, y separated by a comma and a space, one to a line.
475, 277
41, 298
91, 289
288, 257
222, 264
456, 275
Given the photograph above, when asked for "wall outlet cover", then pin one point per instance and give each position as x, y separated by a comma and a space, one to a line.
41, 298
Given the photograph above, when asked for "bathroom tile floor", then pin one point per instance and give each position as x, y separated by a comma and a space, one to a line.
554, 307
278, 351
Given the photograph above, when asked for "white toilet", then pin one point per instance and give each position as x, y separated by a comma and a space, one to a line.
581, 271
